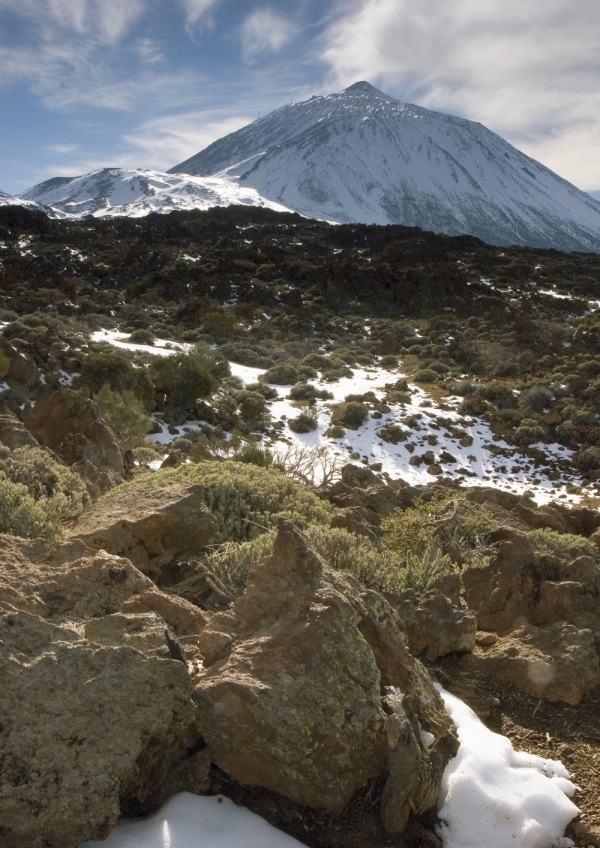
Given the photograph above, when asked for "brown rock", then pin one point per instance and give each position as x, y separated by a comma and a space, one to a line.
500, 593
576, 603
185, 618
12, 432
169, 522
290, 698
146, 632
70, 425
77, 753
558, 663
434, 625
22, 368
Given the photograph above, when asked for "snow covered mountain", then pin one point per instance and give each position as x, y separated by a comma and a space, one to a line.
110, 192
362, 156
11, 200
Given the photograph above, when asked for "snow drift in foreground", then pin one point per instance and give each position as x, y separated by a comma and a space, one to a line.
112, 192
362, 156
491, 796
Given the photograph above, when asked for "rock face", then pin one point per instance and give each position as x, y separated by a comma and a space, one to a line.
290, 696
559, 662
171, 522
77, 627
434, 625
63, 785
12, 432
69, 424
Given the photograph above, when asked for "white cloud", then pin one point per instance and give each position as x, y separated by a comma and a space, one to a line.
163, 142
264, 31
107, 21
528, 70
148, 51
62, 149
198, 11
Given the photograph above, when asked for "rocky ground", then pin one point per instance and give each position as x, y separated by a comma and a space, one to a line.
314, 397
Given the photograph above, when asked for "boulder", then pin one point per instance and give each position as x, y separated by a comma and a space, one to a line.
503, 591
171, 521
69, 424
12, 432
434, 625
146, 632
558, 663
22, 368
78, 755
290, 695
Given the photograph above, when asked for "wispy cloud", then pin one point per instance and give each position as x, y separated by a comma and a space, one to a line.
529, 70
264, 31
168, 140
107, 21
148, 51
198, 12
62, 149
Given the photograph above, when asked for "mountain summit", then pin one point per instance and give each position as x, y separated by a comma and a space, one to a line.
362, 156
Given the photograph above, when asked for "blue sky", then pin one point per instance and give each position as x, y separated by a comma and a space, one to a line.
146, 83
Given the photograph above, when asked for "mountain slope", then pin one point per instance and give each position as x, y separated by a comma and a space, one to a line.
112, 192
361, 156
11, 200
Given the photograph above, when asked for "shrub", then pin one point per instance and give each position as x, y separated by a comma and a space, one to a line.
393, 433
529, 432
213, 360
268, 392
448, 525
124, 414
4, 365
499, 394
112, 368
281, 375
551, 541
218, 324
336, 431
58, 491
246, 500
354, 415
426, 375
145, 337
305, 391
252, 454
438, 367
245, 356
389, 361
536, 399
183, 379
304, 423
588, 459
21, 515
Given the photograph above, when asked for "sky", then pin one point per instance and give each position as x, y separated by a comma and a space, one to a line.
86, 84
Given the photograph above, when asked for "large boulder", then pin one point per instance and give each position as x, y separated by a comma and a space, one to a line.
290, 694
169, 522
86, 730
558, 663
22, 368
70, 425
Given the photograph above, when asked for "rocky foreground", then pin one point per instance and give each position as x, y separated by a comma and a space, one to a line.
119, 692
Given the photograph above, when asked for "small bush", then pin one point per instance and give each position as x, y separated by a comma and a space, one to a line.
304, 423
426, 375
389, 361
552, 542
438, 367
529, 432
183, 379
336, 431
281, 375
58, 491
354, 415
536, 399
20, 515
124, 414
588, 459
306, 391
246, 500
144, 337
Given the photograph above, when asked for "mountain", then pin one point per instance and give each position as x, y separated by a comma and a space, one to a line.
11, 200
111, 192
362, 156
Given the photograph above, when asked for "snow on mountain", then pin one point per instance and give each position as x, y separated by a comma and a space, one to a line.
112, 192
362, 156
11, 200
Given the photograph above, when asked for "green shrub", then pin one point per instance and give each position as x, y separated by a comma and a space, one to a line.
552, 542
306, 391
124, 414
588, 459
438, 367
183, 379
354, 415
141, 336
389, 361
246, 500
59, 492
529, 432
218, 324
281, 375
112, 368
426, 375
304, 423
448, 525
336, 431
20, 515
536, 399
245, 356
213, 360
